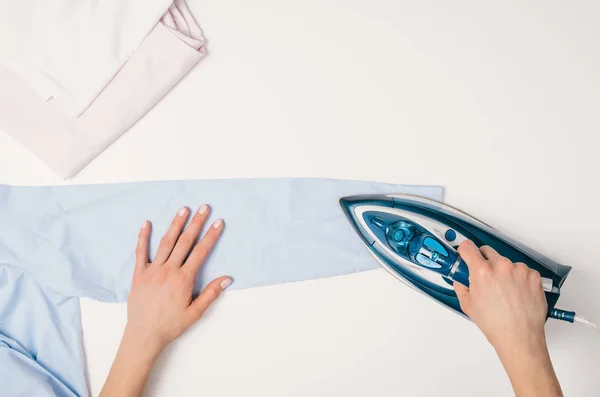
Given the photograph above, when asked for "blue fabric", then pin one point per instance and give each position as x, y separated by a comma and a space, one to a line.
61, 243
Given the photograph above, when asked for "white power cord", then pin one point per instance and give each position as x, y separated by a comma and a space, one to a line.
587, 322
565, 315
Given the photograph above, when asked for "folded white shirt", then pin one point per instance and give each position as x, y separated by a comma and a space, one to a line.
93, 76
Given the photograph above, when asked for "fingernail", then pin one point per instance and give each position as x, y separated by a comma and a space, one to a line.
203, 208
226, 283
181, 211
144, 224
218, 223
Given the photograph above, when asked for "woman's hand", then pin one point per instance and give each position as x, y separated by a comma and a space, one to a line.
160, 305
506, 300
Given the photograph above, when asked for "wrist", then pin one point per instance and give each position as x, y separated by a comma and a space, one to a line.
530, 345
141, 345
523, 357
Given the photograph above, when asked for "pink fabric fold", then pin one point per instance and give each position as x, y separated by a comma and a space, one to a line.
180, 21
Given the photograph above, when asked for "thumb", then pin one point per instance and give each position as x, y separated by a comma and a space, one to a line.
206, 298
464, 297
469, 252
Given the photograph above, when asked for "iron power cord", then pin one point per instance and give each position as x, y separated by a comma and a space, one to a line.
571, 317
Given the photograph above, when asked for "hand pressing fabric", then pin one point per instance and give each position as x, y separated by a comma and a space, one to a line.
506, 301
160, 306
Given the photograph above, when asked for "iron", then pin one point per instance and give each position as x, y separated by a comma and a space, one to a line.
415, 239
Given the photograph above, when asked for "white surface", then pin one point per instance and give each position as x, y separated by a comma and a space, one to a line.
496, 102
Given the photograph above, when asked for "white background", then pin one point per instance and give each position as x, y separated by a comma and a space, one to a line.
497, 102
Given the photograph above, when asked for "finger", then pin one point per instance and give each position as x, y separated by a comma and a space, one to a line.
522, 270
203, 248
188, 238
170, 238
206, 298
464, 297
141, 250
535, 277
489, 253
469, 252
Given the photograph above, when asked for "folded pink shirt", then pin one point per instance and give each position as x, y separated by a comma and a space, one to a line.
67, 134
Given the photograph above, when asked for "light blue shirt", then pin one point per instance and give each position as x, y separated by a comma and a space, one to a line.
61, 243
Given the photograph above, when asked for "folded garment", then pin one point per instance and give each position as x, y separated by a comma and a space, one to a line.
61, 243
68, 104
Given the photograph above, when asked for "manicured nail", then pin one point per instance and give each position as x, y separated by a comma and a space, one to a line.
203, 208
226, 283
218, 223
181, 211
144, 224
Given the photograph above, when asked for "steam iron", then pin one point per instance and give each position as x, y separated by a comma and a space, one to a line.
415, 239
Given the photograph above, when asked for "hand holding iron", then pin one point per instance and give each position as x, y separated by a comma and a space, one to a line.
160, 306
506, 301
